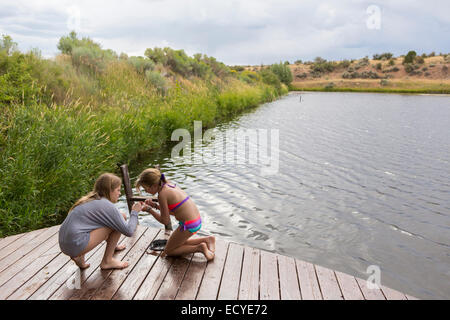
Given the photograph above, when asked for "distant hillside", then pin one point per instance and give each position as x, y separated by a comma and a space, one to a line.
424, 74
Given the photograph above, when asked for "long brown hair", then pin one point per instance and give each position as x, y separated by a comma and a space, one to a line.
103, 186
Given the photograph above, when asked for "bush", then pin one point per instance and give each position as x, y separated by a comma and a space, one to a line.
409, 68
322, 66
383, 56
283, 72
157, 81
419, 60
344, 64
409, 58
249, 76
270, 78
141, 64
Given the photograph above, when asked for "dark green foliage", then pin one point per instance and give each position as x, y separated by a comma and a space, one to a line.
321, 65
409, 58
383, 56
270, 78
68, 43
362, 75
283, 72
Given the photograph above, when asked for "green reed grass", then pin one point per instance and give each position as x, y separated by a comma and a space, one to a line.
51, 153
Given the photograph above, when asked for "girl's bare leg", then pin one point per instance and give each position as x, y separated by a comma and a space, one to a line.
210, 242
97, 236
108, 262
177, 246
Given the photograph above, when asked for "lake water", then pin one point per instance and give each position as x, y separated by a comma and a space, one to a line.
362, 179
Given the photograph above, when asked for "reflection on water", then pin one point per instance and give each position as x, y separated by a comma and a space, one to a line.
363, 180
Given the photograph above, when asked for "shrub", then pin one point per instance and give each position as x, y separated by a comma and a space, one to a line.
141, 64
391, 62
444, 69
378, 66
344, 64
419, 60
409, 58
383, 56
283, 72
156, 80
8, 45
270, 78
409, 67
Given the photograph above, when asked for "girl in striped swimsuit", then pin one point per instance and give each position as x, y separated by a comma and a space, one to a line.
173, 200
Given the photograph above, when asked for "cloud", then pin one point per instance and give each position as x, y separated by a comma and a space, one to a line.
235, 32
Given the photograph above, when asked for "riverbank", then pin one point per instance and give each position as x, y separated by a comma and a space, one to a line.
392, 86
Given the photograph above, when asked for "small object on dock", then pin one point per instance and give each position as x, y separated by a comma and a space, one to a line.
157, 245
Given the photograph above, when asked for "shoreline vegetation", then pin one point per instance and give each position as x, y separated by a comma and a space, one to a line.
66, 120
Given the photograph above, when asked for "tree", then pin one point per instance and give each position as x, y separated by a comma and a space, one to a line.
7, 45
410, 56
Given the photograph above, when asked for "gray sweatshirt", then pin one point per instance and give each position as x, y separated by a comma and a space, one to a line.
74, 232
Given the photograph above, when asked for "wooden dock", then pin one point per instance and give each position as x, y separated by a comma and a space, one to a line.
33, 267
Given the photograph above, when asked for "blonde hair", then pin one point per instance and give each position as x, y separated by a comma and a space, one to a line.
103, 186
150, 177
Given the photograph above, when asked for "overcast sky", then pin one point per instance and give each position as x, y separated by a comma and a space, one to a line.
235, 32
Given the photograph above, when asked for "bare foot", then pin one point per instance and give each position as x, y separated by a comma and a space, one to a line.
113, 264
208, 254
80, 262
211, 243
120, 247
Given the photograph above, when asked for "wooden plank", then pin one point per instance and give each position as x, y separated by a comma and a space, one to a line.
269, 283
35, 282
392, 294
289, 287
210, 284
309, 286
328, 284
8, 240
97, 276
42, 243
174, 277
59, 278
154, 279
192, 279
349, 287
370, 294
134, 280
249, 288
16, 250
47, 252
229, 288
109, 287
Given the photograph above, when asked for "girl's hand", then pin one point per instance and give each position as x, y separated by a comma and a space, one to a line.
137, 206
152, 204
